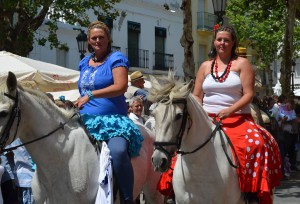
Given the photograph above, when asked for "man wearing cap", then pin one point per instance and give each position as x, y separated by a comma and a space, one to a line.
137, 89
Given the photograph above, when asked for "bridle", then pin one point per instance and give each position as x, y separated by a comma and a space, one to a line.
160, 145
15, 113
185, 115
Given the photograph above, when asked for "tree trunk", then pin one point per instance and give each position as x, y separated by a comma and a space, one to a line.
187, 41
286, 64
269, 90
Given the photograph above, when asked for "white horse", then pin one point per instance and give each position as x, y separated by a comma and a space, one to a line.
1, 173
67, 162
202, 173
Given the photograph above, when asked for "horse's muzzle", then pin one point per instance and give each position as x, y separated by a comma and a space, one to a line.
160, 161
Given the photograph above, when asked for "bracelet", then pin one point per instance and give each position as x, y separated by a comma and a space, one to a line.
90, 95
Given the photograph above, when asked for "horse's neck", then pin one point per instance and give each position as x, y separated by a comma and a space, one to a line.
201, 126
38, 120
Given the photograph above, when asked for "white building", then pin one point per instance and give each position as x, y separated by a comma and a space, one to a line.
149, 35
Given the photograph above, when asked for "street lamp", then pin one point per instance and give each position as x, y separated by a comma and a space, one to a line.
81, 42
219, 9
292, 74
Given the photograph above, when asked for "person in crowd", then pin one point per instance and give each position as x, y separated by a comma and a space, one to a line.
273, 106
102, 83
69, 104
136, 114
137, 86
137, 89
273, 112
255, 111
150, 122
23, 169
8, 180
129, 110
288, 122
225, 87
60, 103
50, 96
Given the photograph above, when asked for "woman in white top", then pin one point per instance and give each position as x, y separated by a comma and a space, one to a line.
225, 87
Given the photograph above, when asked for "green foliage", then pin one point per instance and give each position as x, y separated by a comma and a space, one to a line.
20, 19
261, 23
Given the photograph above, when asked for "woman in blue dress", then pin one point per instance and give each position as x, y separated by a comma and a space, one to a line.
102, 84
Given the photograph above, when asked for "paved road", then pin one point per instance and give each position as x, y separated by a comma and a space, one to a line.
289, 190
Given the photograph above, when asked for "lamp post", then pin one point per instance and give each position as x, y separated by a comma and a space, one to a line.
292, 74
219, 9
81, 42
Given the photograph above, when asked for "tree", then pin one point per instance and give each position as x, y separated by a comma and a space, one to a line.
20, 19
263, 26
286, 65
187, 40
260, 27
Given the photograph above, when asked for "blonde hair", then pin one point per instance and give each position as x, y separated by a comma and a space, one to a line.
104, 27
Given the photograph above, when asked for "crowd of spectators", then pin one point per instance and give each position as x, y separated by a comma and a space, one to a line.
283, 123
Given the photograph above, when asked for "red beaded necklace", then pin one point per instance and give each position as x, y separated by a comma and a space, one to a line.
214, 72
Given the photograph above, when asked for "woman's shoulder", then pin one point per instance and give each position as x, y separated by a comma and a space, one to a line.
205, 67
118, 59
84, 62
241, 63
117, 54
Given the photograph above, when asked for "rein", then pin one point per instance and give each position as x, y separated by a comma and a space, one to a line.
218, 128
16, 112
160, 145
61, 126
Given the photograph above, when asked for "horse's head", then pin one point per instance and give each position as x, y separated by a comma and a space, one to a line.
171, 117
9, 109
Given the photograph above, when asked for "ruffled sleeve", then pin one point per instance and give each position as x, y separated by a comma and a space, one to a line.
118, 59
84, 62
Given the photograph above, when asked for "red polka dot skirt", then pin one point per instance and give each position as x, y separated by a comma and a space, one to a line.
258, 154
165, 185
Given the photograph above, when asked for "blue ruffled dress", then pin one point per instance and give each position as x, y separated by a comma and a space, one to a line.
107, 117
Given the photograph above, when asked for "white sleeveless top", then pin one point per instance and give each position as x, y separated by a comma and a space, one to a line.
218, 96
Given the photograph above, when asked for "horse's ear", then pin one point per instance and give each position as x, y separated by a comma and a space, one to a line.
11, 82
191, 84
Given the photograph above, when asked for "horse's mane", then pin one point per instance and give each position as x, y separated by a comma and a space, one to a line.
168, 89
44, 100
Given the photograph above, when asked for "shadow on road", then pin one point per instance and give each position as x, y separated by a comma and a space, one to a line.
289, 189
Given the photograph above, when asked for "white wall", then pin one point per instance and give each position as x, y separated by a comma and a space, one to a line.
149, 13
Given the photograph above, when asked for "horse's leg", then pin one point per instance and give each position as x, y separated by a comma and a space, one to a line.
152, 195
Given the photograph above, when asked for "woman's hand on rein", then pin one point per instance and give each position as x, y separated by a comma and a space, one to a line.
81, 101
224, 113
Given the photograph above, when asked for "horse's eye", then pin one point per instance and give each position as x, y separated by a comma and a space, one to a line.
3, 114
178, 116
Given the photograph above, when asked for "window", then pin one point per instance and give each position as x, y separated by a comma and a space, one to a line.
134, 30
61, 57
160, 35
202, 54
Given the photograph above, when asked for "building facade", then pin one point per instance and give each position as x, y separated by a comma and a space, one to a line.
149, 35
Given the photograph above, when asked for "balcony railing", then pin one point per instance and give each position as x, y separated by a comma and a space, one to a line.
138, 57
163, 61
206, 21
115, 48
